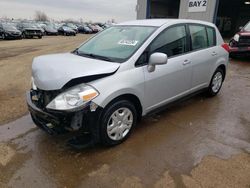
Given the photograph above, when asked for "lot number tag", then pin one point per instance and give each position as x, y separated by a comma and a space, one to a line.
197, 5
128, 42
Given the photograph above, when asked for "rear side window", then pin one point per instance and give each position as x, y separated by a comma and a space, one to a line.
199, 37
211, 36
172, 41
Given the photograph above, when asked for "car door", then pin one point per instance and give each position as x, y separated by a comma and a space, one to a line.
204, 54
172, 80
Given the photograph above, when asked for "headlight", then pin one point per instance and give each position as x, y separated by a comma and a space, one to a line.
73, 98
237, 37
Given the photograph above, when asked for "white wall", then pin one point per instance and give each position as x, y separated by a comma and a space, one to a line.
141, 9
208, 15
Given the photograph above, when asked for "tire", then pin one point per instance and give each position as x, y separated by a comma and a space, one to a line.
115, 127
3, 36
216, 83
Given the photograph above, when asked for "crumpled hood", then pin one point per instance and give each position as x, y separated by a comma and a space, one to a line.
52, 72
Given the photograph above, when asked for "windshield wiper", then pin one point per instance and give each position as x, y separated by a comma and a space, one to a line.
94, 56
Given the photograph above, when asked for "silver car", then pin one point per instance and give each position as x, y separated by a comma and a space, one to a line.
103, 88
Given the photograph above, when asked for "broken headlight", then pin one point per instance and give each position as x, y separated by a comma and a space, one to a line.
74, 98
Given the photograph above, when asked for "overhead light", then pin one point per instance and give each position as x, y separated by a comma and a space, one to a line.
247, 2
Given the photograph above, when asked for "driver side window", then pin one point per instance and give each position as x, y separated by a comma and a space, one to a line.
172, 41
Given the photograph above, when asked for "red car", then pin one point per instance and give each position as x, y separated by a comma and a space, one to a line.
240, 43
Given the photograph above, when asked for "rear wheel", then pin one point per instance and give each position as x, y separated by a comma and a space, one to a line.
117, 122
216, 82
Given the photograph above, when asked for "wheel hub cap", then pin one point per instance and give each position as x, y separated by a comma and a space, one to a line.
119, 124
217, 82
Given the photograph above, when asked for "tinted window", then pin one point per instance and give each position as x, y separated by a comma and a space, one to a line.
172, 41
211, 36
198, 37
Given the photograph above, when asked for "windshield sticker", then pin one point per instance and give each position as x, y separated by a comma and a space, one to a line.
128, 42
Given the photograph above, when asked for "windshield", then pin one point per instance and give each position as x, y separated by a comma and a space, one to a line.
67, 28
50, 27
247, 27
28, 25
9, 27
116, 43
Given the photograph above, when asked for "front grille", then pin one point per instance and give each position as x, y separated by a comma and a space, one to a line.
33, 32
15, 34
244, 41
44, 97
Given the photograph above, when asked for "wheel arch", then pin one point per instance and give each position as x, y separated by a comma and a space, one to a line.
223, 68
131, 98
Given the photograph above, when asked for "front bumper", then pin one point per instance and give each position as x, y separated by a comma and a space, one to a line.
239, 49
33, 33
58, 122
51, 33
70, 33
13, 36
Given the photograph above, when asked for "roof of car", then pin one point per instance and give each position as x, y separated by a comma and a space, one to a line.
160, 22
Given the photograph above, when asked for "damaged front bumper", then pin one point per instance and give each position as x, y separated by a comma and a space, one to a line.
58, 122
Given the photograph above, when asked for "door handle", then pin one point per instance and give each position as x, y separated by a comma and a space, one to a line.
214, 54
186, 62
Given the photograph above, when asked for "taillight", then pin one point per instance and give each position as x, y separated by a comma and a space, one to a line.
226, 47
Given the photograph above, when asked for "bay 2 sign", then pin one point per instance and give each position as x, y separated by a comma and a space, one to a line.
197, 5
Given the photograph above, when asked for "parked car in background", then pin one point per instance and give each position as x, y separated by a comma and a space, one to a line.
93, 28
240, 43
67, 31
50, 30
8, 31
105, 26
40, 26
84, 29
99, 28
123, 73
29, 30
72, 26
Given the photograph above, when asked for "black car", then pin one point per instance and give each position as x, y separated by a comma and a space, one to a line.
8, 31
67, 31
84, 29
30, 30
50, 30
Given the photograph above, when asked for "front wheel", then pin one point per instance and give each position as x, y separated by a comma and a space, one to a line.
216, 83
117, 122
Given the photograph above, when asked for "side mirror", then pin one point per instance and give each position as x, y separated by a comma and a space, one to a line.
240, 28
156, 59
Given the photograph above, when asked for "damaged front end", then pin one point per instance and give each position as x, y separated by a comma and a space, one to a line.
84, 120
